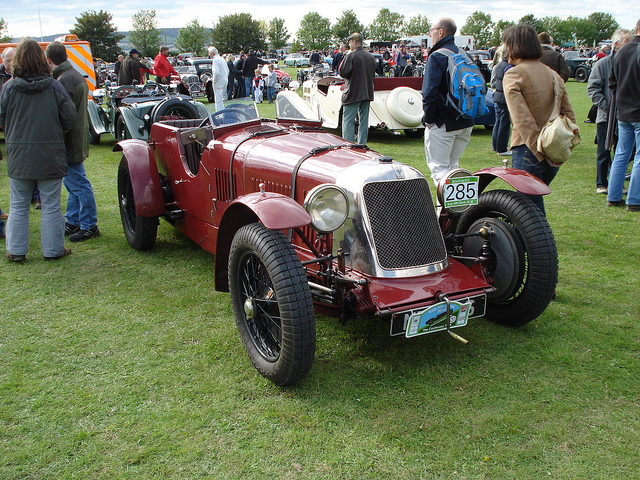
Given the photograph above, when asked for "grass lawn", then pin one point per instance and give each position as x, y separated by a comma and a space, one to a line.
121, 364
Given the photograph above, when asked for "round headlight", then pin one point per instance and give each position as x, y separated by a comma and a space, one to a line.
327, 206
451, 197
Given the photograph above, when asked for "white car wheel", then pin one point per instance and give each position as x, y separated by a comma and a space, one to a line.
405, 106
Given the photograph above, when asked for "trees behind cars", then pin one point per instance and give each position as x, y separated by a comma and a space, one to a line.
238, 31
97, 29
193, 38
144, 34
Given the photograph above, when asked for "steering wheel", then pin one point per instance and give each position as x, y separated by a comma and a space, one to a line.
153, 86
219, 113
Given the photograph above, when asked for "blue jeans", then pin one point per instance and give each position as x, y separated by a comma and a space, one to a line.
81, 204
1, 224
271, 94
349, 113
524, 159
52, 224
500, 134
248, 87
628, 134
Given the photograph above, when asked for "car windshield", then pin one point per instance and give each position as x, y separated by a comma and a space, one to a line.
235, 111
186, 69
289, 105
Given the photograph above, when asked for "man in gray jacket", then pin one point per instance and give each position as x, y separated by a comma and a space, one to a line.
359, 70
81, 215
598, 90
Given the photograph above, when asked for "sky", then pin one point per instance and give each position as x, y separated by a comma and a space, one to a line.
49, 17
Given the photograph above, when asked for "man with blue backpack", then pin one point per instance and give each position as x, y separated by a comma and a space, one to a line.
453, 94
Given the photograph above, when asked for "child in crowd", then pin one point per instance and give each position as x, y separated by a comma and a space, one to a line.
272, 79
258, 85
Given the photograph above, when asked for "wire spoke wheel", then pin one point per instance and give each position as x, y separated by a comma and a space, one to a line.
272, 304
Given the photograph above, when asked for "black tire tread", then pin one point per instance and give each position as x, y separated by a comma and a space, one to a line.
142, 232
541, 249
294, 301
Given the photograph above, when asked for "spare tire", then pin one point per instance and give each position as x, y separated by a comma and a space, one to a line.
174, 106
405, 106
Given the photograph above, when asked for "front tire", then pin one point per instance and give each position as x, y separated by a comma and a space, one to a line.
94, 137
523, 260
272, 304
140, 231
121, 129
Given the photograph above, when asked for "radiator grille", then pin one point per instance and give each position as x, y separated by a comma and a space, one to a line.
404, 223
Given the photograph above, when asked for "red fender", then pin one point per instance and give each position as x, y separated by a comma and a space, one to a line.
522, 181
145, 179
275, 211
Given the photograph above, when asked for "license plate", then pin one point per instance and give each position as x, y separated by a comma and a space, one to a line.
199, 94
461, 191
434, 318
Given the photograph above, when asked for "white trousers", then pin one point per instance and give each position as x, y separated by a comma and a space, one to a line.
443, 149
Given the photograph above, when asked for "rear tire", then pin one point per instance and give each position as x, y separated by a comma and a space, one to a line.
272, 304
582, 74
140, 231
174, 107
524, 260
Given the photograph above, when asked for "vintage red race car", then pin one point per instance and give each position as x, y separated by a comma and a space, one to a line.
299, 219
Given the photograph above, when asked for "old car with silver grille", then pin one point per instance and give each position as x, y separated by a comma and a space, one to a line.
302, 222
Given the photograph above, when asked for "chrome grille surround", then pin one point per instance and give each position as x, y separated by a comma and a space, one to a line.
392, 228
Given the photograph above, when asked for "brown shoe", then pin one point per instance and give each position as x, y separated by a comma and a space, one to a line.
616, 203
67, 251
633, 208
15, 258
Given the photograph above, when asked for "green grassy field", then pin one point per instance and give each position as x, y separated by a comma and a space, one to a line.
121, 364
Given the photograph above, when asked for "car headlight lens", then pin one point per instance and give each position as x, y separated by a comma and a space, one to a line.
327, 206
445, 183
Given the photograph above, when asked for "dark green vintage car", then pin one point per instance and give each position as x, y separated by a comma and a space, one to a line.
128, 111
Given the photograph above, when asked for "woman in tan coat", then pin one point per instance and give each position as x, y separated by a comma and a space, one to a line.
529, 92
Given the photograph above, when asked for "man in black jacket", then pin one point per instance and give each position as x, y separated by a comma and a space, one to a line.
624, 83
130, 69
249, 71
552, 59
81, 216
445, 135
359, 70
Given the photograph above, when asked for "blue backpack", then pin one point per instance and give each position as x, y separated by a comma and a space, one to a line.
467, 87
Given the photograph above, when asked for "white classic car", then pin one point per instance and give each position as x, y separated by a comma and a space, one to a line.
397, 103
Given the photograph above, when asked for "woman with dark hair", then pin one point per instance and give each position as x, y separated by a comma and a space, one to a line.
531, 90
35, 110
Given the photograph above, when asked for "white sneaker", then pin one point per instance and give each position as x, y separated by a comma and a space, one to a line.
601, 190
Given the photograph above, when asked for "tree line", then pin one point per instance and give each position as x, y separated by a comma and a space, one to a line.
239, 31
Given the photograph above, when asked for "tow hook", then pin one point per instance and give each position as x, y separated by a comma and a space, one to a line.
444, 298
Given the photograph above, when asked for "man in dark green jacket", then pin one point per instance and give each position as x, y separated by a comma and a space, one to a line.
359, 70
81, 216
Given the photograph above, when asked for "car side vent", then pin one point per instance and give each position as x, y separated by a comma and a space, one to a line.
222, 185
404, 223
270, 186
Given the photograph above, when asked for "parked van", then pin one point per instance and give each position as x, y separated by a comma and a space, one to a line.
79, 55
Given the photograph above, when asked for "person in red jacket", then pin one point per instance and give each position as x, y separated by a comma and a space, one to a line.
162, 67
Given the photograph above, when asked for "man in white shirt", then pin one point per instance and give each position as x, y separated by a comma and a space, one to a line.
220, 72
